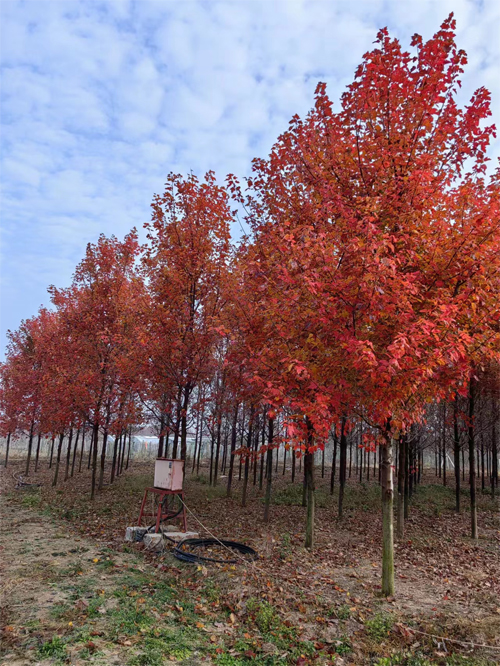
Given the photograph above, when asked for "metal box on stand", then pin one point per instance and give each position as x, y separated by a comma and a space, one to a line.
169, 474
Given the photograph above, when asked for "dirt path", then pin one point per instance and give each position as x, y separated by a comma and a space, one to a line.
66, 599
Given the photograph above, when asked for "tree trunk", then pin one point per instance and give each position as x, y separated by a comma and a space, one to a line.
334, 461
128, 447
212, 448
456, 453
444, 444
401, 486
103, 456
37, 455
387, 521
196, 433
247, 458
7, 447
82, 450
234, 434
93, 448
472, 460
30, 446
494, 457
217, 449
309, 476
115, 453
51, 452
294, 464
269, 461
68, 454
343, 463
58, 459
75, 450
185, 405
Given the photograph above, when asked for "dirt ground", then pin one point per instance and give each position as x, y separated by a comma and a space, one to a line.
62, 555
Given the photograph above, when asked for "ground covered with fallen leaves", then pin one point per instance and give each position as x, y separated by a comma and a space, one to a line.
74, 592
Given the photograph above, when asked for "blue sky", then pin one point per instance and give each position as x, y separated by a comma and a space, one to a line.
100, 100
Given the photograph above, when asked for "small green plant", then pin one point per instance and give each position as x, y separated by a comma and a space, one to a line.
343, 646
266, 617
342, 612
150, 657
32, 500
379, 626
60, 611
285, 546
403, 659
54, 648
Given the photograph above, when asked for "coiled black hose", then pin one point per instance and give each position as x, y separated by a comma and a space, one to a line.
189, 556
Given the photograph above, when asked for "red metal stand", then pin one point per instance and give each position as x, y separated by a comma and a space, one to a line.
160, 515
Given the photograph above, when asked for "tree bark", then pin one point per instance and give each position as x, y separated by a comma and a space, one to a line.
387, 520
68, 454
247, 459
334, 461
472, 459
75, 450
343, 463
456, 453
115, 453
30, 446
82, 451
58, 459
37, 455
51, 452
7, 448
309, 477
103, 456
234, 433
269, 460
401, 486
93, 448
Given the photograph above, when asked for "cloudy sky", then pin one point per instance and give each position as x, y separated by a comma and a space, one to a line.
100, 100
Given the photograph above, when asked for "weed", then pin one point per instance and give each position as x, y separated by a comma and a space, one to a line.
265, 616
285, 546
291, 495
60, 611
54, 648
129, 618
212, 591
341, 613
404, 659
32, 500
106, 564
74, 569
150, 657
379, 626
343, 646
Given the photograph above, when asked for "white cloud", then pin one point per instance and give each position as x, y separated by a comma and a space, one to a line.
100, 100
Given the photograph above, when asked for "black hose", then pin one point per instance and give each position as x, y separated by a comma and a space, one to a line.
187, 556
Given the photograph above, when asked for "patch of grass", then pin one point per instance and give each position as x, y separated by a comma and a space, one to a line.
212, 591
263, 614
55, 649
73, 569
291, 495
285, 546
368, 500
379, 626
149, 657
32, 499
130, 618
343, 646
341, 612
60, 611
